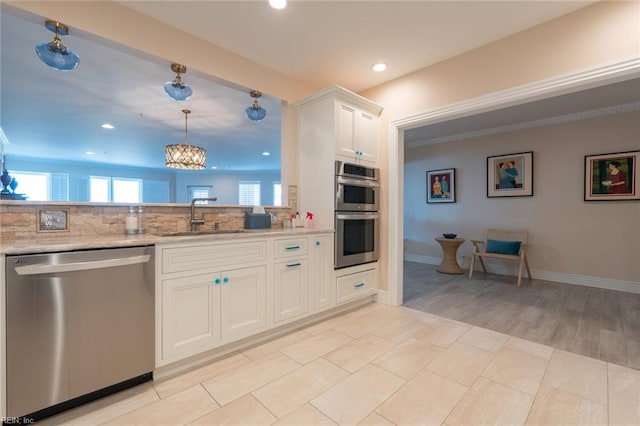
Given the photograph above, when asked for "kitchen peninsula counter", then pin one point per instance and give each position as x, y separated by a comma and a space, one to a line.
48, 243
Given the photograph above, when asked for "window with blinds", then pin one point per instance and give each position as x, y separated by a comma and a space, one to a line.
277, 194
249, 193
104, 189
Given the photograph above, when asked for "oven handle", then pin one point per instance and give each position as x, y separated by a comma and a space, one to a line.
357, 182
354, 215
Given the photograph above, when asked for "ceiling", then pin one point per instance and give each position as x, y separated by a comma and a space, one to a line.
336, 42
318, 42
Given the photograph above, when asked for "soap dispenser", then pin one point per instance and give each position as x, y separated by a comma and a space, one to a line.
131, 222
140, 221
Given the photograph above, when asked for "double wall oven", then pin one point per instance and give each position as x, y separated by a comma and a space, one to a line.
357, 221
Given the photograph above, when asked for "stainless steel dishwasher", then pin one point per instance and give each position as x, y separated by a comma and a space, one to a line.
80, 325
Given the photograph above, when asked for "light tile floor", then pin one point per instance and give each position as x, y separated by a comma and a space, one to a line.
412, 368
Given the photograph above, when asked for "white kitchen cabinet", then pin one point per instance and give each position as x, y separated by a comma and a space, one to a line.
290, 289
322, 282
199, 312
334, 124
190, 321
357, 285
211, 294
357, 136
243, 302
290, 278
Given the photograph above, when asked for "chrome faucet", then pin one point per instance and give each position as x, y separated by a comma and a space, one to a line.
195, 221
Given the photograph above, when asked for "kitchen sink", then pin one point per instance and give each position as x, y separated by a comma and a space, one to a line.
195, 233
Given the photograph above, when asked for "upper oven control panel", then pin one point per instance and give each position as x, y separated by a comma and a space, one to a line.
357, 171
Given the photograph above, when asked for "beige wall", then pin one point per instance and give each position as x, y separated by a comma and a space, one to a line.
600, 34
567, 234
595, 35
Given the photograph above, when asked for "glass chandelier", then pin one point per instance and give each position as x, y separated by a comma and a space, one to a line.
185, 156
255, 112
177, 89
54, 53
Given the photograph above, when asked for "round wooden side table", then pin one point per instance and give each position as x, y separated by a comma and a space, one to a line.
449, 263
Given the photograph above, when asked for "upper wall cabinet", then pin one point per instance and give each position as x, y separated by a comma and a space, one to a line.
357, 136
334, 124
351, 121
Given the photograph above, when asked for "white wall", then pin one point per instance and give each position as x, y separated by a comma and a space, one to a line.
225, 185
567, 234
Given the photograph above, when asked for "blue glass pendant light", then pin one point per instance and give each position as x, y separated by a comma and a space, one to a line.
255, 112
55, 54
176, 89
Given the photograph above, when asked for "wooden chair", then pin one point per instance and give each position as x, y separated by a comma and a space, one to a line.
502, 239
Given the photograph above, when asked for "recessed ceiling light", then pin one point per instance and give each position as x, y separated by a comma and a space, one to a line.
379, 66
278, 4
90, 153
266, 153
107, 126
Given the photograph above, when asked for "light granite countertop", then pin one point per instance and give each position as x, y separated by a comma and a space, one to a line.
55, 244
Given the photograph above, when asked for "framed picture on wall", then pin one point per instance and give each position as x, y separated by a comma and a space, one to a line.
510, 175
612, 177
441, 186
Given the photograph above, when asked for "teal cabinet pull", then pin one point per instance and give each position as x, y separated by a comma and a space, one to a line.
291, 265
358, 285
225, 280
317, 243
217, 281
292, 248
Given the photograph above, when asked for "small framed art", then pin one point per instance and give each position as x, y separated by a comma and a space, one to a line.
510, 175
612, 177
441, 186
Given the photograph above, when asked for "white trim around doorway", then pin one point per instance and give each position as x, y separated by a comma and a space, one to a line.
622, 70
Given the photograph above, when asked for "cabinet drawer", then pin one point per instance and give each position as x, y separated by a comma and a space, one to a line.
212, 256
291, 247
354, 286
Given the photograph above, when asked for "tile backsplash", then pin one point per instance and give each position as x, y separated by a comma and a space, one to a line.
18, 219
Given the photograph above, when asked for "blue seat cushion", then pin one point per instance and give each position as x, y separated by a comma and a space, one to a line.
503, 247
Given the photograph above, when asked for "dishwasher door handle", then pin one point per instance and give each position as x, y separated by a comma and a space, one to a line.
80, 266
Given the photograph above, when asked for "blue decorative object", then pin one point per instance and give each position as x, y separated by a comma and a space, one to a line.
255, 112
503, 247
55, 54
176, 89
450, 236
6, 180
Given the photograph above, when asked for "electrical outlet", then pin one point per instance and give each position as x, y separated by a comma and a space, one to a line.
53, 220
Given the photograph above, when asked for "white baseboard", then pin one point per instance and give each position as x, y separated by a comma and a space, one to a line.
383, 297
606, 283
559, 277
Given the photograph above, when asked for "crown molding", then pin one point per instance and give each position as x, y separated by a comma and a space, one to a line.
622, 70
550, 121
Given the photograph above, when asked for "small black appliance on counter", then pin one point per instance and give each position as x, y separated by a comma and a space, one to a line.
257, 220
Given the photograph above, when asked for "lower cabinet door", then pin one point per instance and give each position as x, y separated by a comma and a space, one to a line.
322, 286
290, 289
190, 321
243, 302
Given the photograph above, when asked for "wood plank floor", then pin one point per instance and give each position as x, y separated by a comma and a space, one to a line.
594, 322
